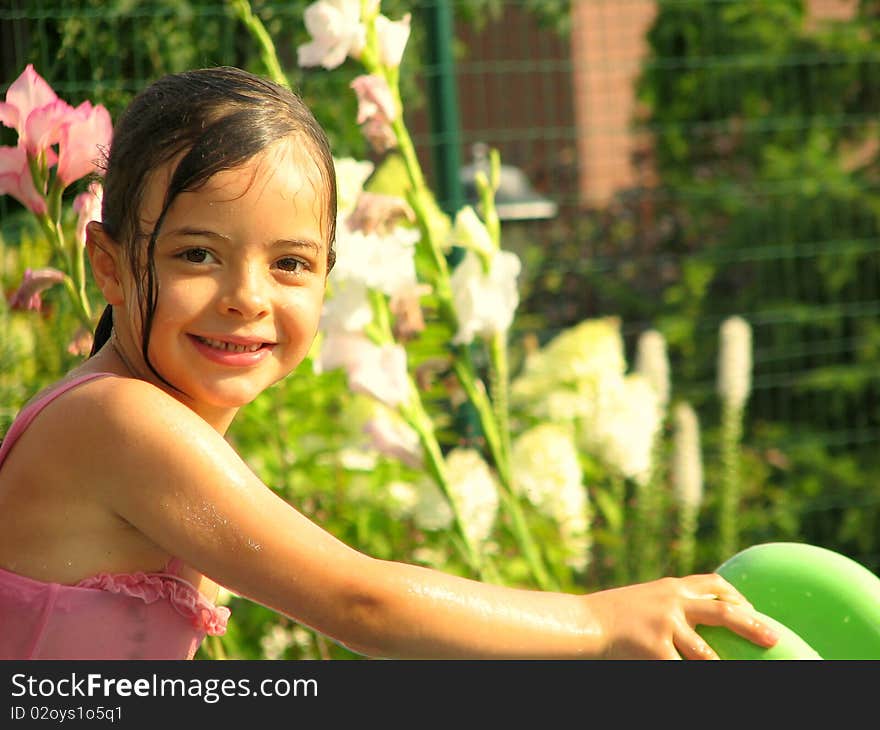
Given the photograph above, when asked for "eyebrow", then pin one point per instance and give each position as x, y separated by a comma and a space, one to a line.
206, 233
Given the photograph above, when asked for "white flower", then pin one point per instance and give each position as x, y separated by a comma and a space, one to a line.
336, 30
403, 497
544, 461
302, 638
474, 488
471, 233
276, 641
653, 362
687, 460
392, 36
735, 362
431, 511
484, 303
580, 357
624, 426
384, 262
351, 175
348, 309
562, 381
353, 459
382, 374
547, 469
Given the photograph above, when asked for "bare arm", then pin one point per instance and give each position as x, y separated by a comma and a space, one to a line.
180, 483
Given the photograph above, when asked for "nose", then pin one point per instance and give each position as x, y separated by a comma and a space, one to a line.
245, 293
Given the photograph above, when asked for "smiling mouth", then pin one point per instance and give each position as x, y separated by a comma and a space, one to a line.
230, 346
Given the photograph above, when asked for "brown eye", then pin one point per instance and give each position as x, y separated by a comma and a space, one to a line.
291, 265
196, 255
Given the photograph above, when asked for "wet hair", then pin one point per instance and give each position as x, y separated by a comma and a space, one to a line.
211, 120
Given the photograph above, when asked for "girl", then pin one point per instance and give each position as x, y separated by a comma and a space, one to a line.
216, 242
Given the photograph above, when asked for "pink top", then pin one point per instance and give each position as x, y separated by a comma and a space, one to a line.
108, 616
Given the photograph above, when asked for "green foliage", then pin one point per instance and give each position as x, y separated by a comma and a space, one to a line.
763, 127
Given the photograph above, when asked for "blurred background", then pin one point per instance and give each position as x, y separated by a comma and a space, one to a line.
669, 162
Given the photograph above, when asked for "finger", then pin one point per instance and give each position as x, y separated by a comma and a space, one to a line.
741, 620
712, 585
691, 645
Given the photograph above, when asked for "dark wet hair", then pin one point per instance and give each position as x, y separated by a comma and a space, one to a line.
213, 119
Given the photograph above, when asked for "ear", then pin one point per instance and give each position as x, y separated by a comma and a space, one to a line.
105, 256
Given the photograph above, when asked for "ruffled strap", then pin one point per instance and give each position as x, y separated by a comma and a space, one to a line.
152, 587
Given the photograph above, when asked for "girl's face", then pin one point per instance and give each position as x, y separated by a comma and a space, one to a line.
241, 266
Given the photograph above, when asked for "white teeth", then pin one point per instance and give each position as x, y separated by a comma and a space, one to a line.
229, 346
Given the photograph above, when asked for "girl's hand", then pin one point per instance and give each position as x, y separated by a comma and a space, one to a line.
656, 620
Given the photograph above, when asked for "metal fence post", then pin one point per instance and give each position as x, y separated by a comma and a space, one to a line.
443, 101
446, 148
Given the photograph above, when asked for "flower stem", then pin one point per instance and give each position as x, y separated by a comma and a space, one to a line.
268, 53
476, 393
414, 414
493, 418
74, 269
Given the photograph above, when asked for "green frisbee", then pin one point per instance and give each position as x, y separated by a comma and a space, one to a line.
822, 603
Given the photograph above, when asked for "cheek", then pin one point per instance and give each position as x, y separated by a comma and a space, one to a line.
301, 317
181, 299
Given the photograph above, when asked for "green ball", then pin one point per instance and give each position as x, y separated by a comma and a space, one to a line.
729, 645
826, 600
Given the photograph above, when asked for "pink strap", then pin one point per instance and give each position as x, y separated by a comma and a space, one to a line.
32, 410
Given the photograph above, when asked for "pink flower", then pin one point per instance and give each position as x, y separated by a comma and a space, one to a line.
29, 92
42, 129
391, 436
88, 208
374, 98
42, 120
336, 30
85, 134
376, 111
16, 180
34, 110
406, 309
377, 371
380, 135
27, 296
379, 213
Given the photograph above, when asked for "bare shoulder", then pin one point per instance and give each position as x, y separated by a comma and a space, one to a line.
116, 401
115, 410
135, 428
114, 432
